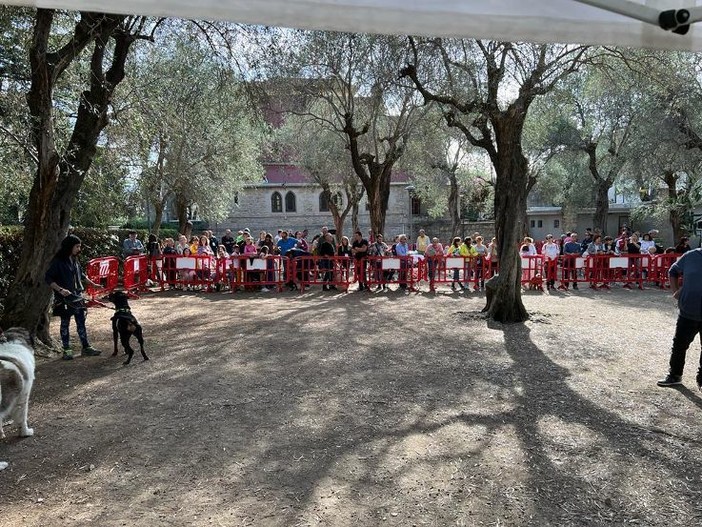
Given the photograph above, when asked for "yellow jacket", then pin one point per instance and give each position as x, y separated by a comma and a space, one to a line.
461, 250
468, 251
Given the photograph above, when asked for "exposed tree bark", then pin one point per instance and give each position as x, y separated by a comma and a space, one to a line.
158, 218
353, 197
603, 182
675, 211
60, 175
159, 199
599, 219
510, 212
181, 207
374, 174
498, 130
354, 218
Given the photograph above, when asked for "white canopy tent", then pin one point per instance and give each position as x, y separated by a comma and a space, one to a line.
532, 20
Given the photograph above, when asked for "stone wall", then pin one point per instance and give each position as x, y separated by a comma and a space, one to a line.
253, 211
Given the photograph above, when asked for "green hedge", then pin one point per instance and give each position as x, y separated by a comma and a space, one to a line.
96, 243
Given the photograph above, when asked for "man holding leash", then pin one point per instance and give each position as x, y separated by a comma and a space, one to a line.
65, 277
689, 324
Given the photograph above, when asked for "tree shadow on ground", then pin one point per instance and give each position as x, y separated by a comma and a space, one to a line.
336, 411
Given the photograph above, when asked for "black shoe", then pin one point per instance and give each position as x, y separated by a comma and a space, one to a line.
332, 288
670, 380
575, 286
325, 288
90, 352
699, 383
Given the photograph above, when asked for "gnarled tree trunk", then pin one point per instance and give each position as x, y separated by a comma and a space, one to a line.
510, 210
60, 175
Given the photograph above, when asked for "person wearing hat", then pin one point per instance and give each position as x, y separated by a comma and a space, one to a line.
65, 278
132, 246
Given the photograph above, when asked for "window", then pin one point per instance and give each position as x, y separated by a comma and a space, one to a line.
276, 202
324, 202
416, 206
532, 223
540, 224
556, 224
290, 202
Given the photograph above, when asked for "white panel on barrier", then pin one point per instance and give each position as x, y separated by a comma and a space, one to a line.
256, 264
579, 262
185, 263
136, 265
525, 263
104, 268
454, 263
391, 263
618, 263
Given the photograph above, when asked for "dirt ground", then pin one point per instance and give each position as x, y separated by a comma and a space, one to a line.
365, 409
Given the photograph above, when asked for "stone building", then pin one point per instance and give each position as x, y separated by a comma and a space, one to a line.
289, 198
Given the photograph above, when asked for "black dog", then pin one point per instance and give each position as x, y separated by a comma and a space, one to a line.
125, 324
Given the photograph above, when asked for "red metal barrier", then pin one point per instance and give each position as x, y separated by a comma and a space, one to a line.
103, 271
572, 266
331, 271
533, 270
135, 273
188, 272
658, 269
251, 273
464, 271
155, 264
404, 271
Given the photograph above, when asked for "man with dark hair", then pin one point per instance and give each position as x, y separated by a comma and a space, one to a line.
228, 241
65, 277
326, 250
359, 249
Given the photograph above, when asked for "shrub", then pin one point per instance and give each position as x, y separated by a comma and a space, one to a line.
96, 243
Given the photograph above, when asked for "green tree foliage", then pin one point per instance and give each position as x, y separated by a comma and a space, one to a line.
311, 144
16, 152
485, 90
352, 80
191, 138
667, 165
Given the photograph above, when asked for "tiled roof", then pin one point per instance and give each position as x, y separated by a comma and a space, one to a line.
284, 174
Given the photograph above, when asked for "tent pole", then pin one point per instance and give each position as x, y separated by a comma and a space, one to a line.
675, 20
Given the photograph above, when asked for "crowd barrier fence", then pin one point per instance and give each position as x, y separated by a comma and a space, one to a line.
103, 271
136, 274
236, 273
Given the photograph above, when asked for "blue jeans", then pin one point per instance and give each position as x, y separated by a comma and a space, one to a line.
685, 332
80, 326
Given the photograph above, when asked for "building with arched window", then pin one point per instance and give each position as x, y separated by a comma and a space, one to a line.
290, 201
289, 198
276, 202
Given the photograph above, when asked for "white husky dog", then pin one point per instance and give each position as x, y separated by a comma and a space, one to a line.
16, 379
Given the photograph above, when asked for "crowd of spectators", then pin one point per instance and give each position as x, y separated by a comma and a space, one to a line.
298, 243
